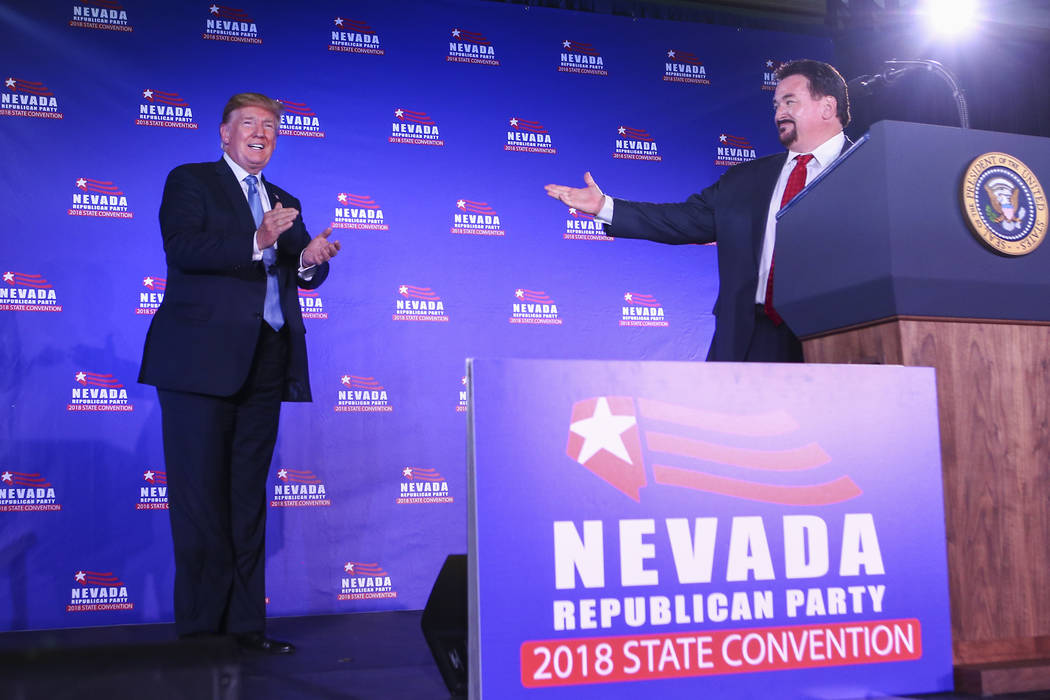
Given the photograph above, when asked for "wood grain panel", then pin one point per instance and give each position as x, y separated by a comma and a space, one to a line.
993, 385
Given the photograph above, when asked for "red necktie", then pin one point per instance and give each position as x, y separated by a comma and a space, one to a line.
796, 181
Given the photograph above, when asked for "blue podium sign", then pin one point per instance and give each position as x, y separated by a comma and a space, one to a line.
745, 531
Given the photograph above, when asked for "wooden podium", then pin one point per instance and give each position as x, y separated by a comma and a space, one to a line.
876, 264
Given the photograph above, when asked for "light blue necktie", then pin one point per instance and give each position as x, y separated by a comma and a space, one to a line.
272, 305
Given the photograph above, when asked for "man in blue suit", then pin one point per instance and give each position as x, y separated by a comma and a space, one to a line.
811, 108
225, 348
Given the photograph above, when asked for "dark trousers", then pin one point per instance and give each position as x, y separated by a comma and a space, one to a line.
772, 343
217, 452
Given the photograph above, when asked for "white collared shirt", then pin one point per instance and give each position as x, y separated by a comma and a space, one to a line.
823, 155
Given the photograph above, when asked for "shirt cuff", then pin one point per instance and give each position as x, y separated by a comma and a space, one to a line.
256, 253
306, 273
605, 214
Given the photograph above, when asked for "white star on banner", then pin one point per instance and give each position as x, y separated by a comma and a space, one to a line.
282, 474
82, 183
81, 576
214, 9
10, 82
345, 379
9, 277
338, 21
403, 289
8, 477
148, 94
407, 471
514, 122
722, 138
621, 131
81, 377
670, 54
399, 113
627, 296
602, 431
520, 293
349, 567
148, 475
566, 43
455, 33
342, 198
461, 204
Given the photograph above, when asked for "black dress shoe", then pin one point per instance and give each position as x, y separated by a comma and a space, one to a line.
258, 641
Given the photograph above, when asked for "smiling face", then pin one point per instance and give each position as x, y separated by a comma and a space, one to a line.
803, 122
249, 136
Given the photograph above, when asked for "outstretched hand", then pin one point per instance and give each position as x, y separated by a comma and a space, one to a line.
320, 249
587, 199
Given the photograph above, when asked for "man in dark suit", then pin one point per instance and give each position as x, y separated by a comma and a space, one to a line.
739, 212
225, 348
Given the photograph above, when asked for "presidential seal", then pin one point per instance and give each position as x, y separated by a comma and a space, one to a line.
1004, 204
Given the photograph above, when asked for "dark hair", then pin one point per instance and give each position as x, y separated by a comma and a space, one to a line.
823, 79
251, 99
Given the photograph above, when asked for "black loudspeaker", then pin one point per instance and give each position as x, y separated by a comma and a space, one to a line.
204, 669
445, 623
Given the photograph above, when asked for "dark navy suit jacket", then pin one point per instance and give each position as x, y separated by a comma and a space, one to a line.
731, 212
203, 336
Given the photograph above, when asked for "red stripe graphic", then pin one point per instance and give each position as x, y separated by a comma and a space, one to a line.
424, 474
835, 491
737, 141
24, 479
22, 279
354, 382
157, 478
94, 379
360, 201
100, 186
157, 284
29, 87
470, 37
354, 25
413, 292
636, 134
364, 569
97, 578
604, 438
637, 299
171, 99
308, 292
108, 4
520, 124
229, 13
579, 47
474, 207
577, 214
533, 296
297, 108
298, 476
683, 57
407, 115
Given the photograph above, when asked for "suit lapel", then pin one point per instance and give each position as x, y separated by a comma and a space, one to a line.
766, 182
237, 201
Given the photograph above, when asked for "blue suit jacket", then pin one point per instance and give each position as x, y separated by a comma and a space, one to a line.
731, 212
203, 336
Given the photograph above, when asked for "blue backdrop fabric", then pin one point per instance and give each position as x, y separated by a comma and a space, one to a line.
425, 132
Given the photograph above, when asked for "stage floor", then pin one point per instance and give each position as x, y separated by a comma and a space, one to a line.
365, 656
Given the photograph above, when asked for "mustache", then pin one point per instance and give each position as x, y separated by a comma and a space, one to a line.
785, 121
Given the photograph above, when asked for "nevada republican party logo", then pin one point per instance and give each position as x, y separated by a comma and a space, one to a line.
297, 488
581, 226
99, 198
230, 24
165, 109
28, 98
362, 395
635, 144
22, 291
412, 127
470, 47
684, 67
359, 212
98, 590
151, 295
365, 581
422, 485
299, 120
98, 392
153, 492
528, 136
744, 459
581, 57
354, 36
26, 491
100, 14
733, 150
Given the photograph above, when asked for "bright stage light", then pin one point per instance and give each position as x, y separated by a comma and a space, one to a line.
950, 17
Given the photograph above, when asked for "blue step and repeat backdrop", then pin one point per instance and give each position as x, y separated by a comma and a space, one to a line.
424, 133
